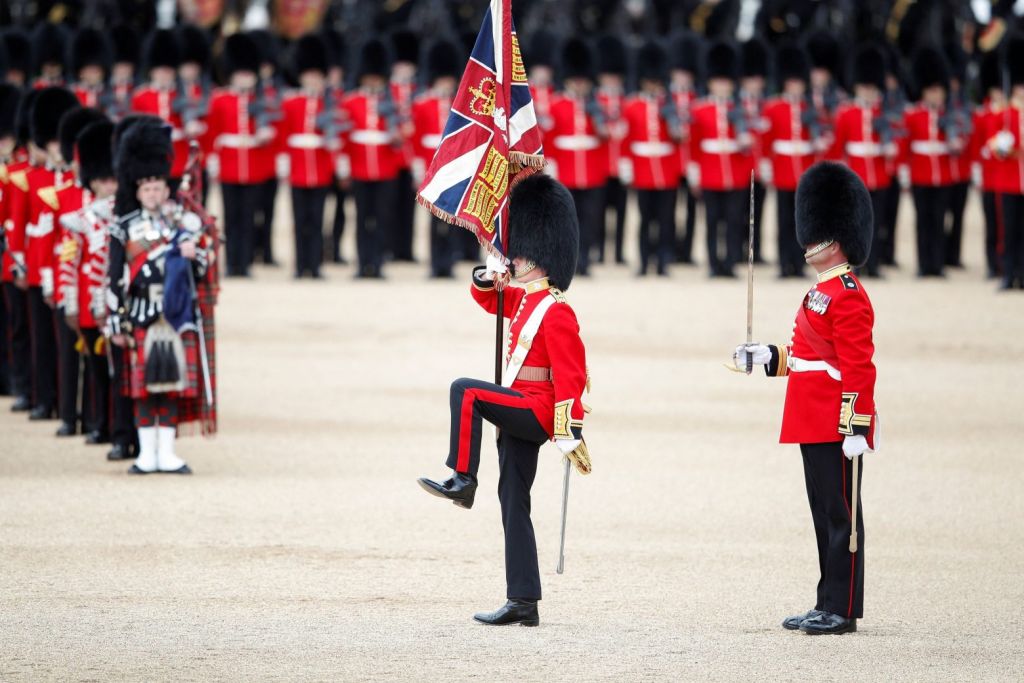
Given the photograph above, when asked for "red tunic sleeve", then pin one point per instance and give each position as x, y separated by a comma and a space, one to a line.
568, 370
485, 294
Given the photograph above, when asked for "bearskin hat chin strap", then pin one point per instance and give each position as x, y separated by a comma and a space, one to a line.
528, 268
814, 251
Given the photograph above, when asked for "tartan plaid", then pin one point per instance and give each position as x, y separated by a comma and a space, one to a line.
189, 341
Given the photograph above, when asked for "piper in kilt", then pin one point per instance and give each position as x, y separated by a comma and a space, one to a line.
157, 253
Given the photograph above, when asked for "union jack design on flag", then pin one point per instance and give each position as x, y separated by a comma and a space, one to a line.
491, 138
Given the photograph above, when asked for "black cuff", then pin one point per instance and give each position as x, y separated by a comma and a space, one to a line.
478, 281
777, 366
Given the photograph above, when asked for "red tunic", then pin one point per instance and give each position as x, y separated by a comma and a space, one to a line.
309, 151
92, 226
575, 145
14, 214
1007, 168
43, 185
159, 102
925, 148
244, 159
725, 160
787, 141
429, 116
611, 103
88, 96
837, 330
373, 143
557, 345
69, 199
650, 145
858, 144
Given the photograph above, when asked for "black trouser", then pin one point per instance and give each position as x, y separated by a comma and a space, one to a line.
375, 209
930, 204
404, 216
518, 444
122, 411
684, 247
954, 235
829, 478
44, 351
263, 221
20, 372
990, 203
240, 205
890, 214
97, 374
442, 247
657, 206
1013, 237
69, 370
878, 199
725, 209
589, 204
338, 225
791, 252
614, 199
308, 211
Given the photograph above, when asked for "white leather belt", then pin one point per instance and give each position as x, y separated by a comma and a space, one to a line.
430, 141
719, 146
577, 143
800, 365
651, 149
792, 148
929, 147
371, 137
306, 141
868, 149
237, 141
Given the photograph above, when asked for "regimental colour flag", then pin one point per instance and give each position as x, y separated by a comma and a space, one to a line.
491, 138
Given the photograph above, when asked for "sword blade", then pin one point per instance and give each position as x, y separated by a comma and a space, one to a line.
750, 277
565, 510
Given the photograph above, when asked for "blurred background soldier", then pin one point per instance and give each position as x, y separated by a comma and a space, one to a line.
91, 60
266, 111
18, 47
16, 358
49, 42
958, 125
405, 47
685, 59
754, 63
122, 75
993, 102
161, 57
612, 66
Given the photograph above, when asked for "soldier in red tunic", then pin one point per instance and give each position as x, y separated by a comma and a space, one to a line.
429, 116
13, 340
90, 64
545, 376
49, 45
1005, 142
992, 104
576, 142
159, 97
830, 406
122, 74
311, 136
611, 98
682, 92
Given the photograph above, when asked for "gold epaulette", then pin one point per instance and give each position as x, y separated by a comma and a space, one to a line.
20, 180
49, 197
557, 293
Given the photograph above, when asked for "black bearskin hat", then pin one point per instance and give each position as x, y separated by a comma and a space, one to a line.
791, 64
685, 50
868, 67
23, 119
126, 44
577, 59
310, 54
47, 110
721, 60
95, 153
161, 49
90, 47
930, 68
754, 58
823, 51
125, 124
71, 124
142, 151
10, 96
1015, 59
3, 60
652, 63
194, 46
611, 55
267, 44
405, 46
49, 41
541, 49
443, 59
543, 227
241, 53
374, 59
19, 52
337, 50
833, 204
990, 73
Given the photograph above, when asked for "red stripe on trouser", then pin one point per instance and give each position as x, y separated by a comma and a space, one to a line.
853, 525
466, 419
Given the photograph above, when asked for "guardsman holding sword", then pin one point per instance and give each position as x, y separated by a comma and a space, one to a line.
830, 408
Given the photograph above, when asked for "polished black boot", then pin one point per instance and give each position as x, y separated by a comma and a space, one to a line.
120, 451
793, 623
22, 404
96, 437
460, 489
67, 429
826, 623
41, 413
515, 611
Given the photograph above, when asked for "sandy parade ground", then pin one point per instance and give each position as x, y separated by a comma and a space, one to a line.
302, 548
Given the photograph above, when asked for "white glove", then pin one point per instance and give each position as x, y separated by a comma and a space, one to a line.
567, 446
854, 445
693, 174
626, 171
761, 353
766, 171
495, 266
903, 176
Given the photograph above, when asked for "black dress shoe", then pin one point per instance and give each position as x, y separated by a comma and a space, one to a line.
460, 489
826, 623
41, 413
515, 611
184, 469
135, 469
793, 623
120, 451
67, 429
22, 404
96, 437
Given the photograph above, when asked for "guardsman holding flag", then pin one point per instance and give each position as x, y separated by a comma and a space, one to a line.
492, 135
830, 406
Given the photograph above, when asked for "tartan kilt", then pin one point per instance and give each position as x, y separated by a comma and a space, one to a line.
137, 372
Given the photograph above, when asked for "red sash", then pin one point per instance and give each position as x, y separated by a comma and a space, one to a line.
818, 344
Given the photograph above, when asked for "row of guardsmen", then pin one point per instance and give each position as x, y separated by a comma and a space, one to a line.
699, 122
